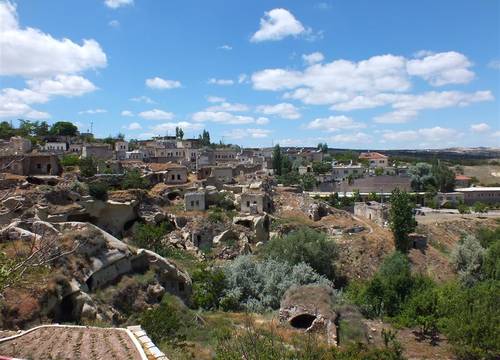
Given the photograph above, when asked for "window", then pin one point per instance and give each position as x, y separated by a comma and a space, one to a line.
248, 203
38, 166
197, 203
192, 203
178, 176
173, 177
181, 287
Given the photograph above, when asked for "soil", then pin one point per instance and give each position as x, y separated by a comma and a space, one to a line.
72, 343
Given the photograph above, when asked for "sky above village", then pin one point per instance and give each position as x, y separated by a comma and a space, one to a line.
355, 74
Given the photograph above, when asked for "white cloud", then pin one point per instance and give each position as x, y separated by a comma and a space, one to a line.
161, 84
127, 113
334, 123
143, 99
323, 6
423, 136
480, 128
222, 117
225, 47
31, 53
114, 24
247, 133
496, 134
63, 85
276, 25
338, 80
442, 69
262, 120
225, 106
156, 114
170, 127
355, 138
134, 126
283, 110
92, 111
215, 99
313, 58
423, 53
13, 110
223, 82
407, 106
115, 4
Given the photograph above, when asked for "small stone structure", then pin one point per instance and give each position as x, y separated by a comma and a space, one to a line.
195, 201
310, 307
372, 210
255, 202
418, 241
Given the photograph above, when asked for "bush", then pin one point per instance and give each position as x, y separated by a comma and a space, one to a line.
88, 167
99, 190
463, 209
467, 259
134, 180
208, 287
149, 236
70, 160
258, 286
305, 246
480, 207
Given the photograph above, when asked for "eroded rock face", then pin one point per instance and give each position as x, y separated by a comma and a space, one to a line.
310, 307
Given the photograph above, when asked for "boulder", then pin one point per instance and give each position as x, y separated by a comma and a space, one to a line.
224, 236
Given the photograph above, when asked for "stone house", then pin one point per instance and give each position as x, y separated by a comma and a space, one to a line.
56, 147
222, 174
30, 164
20, 145
343, 172
487, 195
225, 155
255, 202
98, 151
375, 159
462, 181
418, 241
75, 148
175, 174
195, 201
372, 210
140, 155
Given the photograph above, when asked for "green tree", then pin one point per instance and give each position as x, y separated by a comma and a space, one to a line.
64, 128
277, 160
70, 160
6, 131
208, 287
422, 178
401, 219
133, 179
179, 133
204, 138
467, 259
286, 165
305, 245
88, 167
323, 147
445, 178
379, 171
99, 190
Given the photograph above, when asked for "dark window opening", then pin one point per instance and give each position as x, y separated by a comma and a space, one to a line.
302, 321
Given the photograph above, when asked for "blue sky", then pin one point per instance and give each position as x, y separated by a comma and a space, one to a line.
359, 74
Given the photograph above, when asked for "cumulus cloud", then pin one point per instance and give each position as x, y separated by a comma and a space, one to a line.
215, 99
127, 113
115, 4
334, 123
29, 52
144, 99
63, 85
262, 120
382, 80
247, 133
156, 114
427, 135
442, 69
225, 47
92, 111
480, 128
170, 126
283, 110
161, 84
223, 82
222, 117
313, 58
278, 24
226, 106
134, 126
407, 106
242, 78
354, 138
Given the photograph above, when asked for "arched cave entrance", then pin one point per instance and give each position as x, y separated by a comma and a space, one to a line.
302, 321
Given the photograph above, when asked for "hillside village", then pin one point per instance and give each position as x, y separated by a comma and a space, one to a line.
142, 235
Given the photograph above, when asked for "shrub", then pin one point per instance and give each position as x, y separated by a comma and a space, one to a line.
401, 219
149, 236
480, 207
99, 190
305, 246
467, 259
88, 167
208, 287
259, 285
134, 180
463, 209
70, 160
